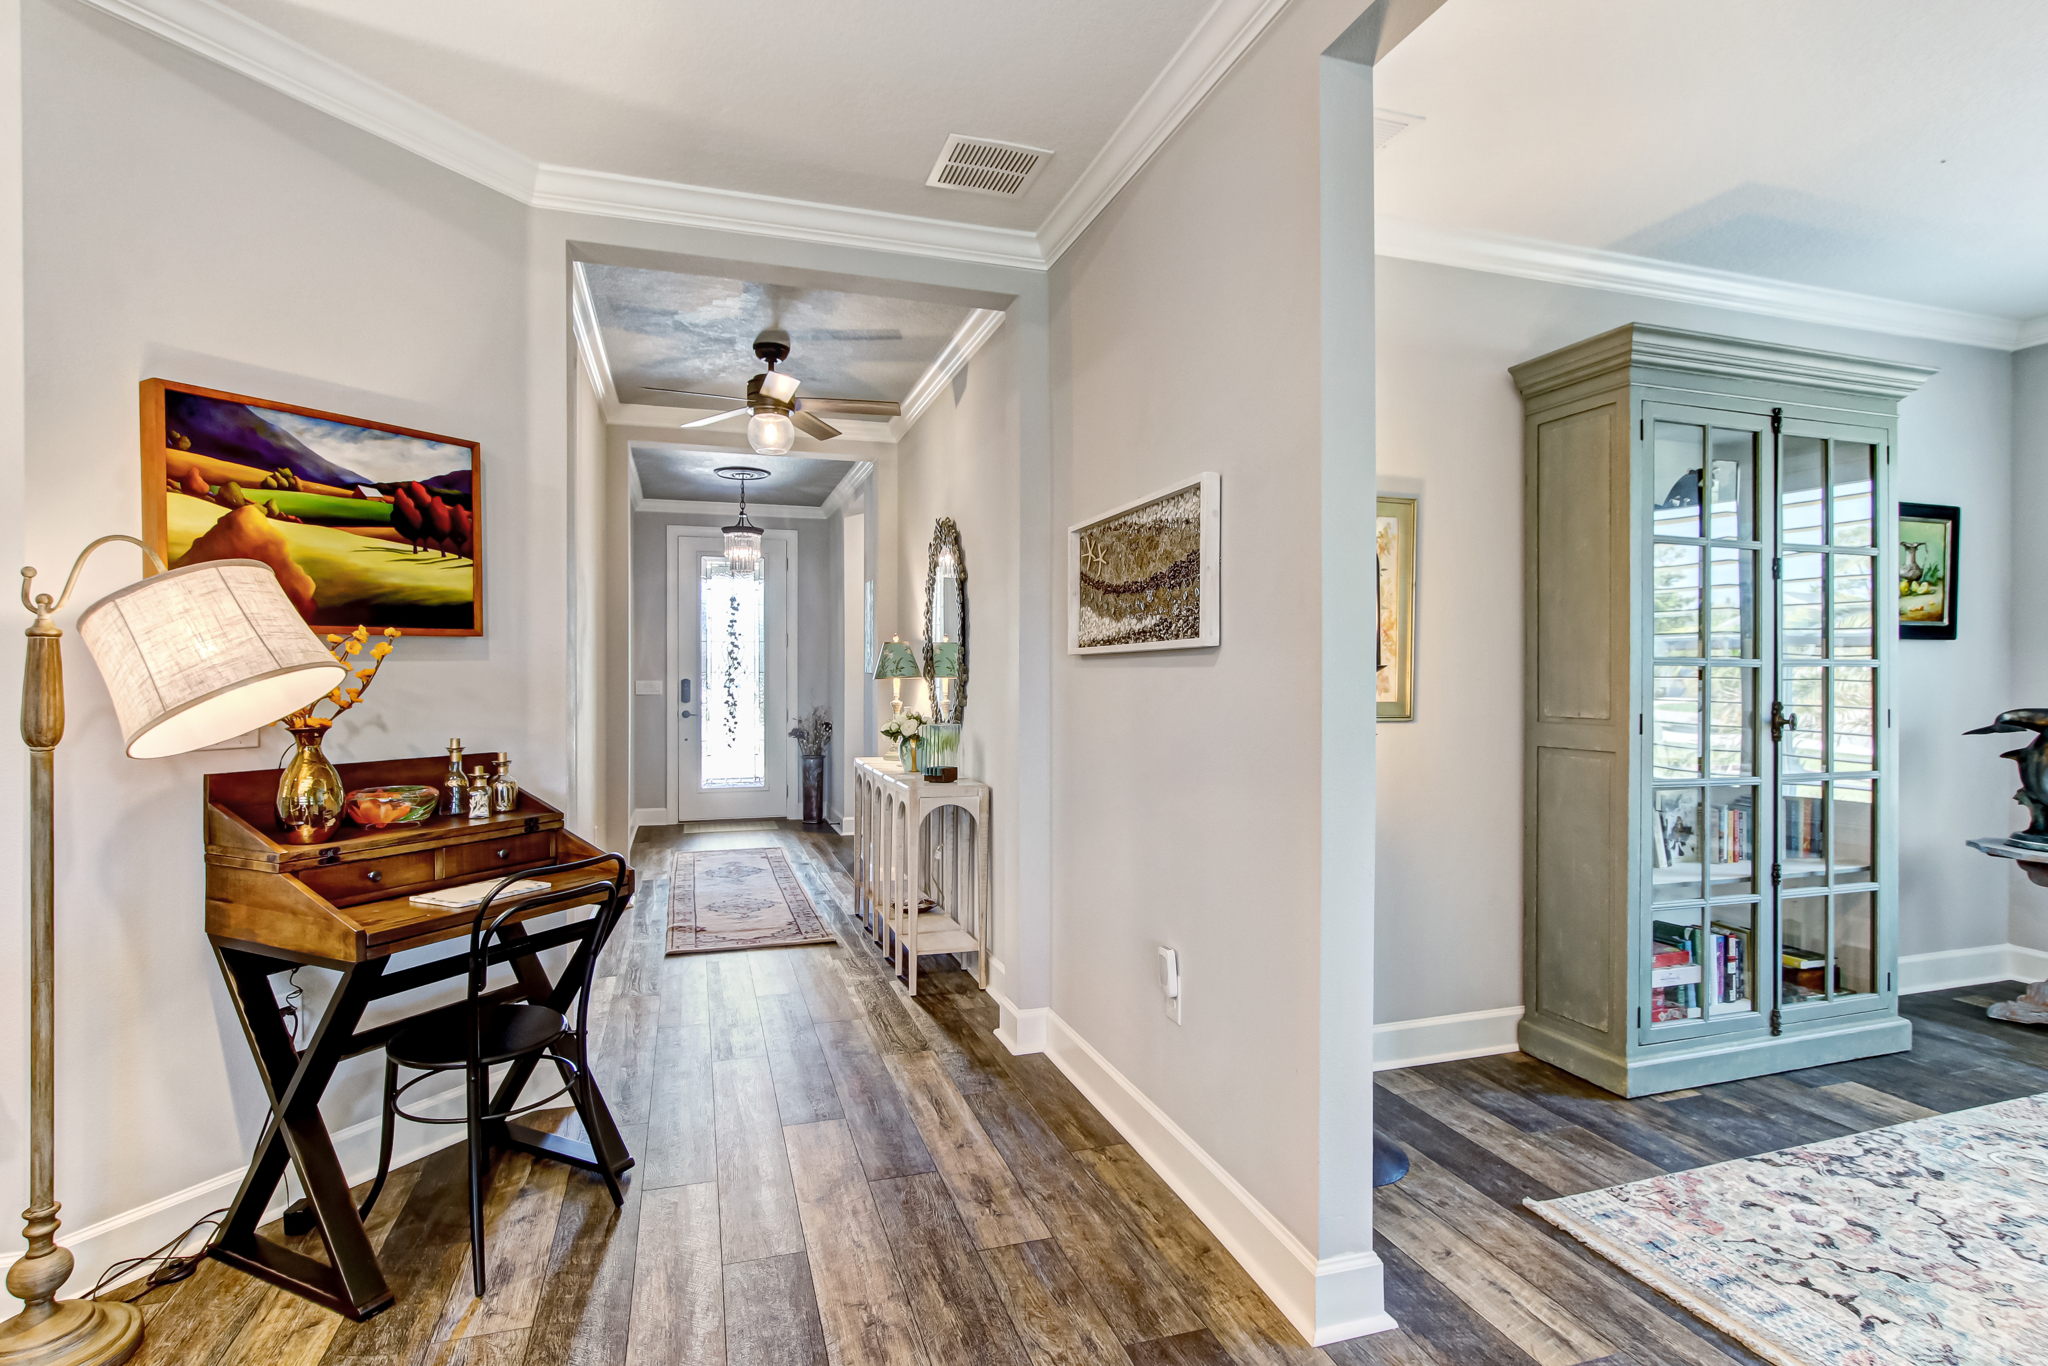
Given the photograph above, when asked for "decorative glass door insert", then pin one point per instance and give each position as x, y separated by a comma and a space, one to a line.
731, 611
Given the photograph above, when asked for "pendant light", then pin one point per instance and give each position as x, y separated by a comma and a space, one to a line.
742, 538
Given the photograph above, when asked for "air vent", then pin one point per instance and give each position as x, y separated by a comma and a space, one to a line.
1388, 124
983, 166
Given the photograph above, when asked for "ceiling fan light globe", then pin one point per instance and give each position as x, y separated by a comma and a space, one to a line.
771, 433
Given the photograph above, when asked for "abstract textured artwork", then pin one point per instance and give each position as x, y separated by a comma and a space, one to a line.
1145, 576
738, 899
1923, 1244
364, 524
1394, 551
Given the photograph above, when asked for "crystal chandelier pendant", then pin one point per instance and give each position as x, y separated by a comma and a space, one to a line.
742, 538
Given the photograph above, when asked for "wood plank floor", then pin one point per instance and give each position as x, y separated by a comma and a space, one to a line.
832, 1173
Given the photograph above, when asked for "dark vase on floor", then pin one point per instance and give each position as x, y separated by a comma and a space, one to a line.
814, 789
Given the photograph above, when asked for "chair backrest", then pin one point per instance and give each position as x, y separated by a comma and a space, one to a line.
605, 900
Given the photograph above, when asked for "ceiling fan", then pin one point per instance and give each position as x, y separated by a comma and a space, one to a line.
775, 414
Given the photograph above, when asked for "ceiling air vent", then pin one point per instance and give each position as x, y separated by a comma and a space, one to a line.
984, 166
1388, 124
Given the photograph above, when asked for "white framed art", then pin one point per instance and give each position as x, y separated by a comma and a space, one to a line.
1148, 575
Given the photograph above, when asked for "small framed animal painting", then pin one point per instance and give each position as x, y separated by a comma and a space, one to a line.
1930, 547
1394, 549
366, 524
1147, 575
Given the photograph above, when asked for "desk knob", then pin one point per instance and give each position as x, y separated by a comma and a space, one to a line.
504, 853
375, 875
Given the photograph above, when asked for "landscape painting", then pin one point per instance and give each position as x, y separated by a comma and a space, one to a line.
366, 524
1146, 576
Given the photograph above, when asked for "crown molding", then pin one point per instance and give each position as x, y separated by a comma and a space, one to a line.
1593, 268
690, 508
2033, 332
590, 343
571, 190
1672, 349
1225, 33
222, 35
972, 334
849, 488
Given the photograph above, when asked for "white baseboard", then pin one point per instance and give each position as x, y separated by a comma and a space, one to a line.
1444, 1038
1326, 1301
134, 1232
1952, 968
1019, 1029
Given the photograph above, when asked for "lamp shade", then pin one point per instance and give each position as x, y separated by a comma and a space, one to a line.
897, 661
195, 655
946, 659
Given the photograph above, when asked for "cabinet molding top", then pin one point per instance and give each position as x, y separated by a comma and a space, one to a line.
1668, 349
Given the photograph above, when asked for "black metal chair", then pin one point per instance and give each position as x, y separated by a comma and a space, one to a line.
486, 1029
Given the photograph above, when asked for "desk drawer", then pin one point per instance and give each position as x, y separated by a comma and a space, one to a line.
371, 879
484, 857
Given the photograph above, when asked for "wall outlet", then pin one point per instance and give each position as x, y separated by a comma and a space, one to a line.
1169, 981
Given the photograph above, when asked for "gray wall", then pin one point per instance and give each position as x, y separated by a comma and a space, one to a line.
817, 608
1450, 818
2028, 511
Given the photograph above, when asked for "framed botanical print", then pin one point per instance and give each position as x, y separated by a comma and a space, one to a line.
1930, 546
365, 524
1147, 575
1395, 552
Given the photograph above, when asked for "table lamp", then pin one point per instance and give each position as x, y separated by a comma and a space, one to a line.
897, 663
192, 656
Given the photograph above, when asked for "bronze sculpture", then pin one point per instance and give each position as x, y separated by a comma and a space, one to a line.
2033, 766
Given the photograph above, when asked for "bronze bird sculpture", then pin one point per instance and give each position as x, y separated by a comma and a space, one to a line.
2033, 765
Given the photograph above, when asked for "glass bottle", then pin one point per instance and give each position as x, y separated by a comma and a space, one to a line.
504, 787
479, 794
454, 787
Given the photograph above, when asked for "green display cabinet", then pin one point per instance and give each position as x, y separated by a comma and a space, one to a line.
1710, 883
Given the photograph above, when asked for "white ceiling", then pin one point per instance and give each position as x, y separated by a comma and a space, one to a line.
1887, 147
837, 103
679, 474
685, 331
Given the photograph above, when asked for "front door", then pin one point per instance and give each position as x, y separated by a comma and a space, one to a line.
734, 668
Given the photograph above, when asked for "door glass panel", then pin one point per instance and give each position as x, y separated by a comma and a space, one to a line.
1854, 605
1803, 949
1675, 614
1730, 841
1730, 723
734, 662
1731, 959
1677, 963
1855, 698
1731, 612
1802, 614
1800, 464
1852, 492
1854, 820
1856, 943
1675, 870
1731, 485
1804, 750
1675, 486
1802, 835
1675, 712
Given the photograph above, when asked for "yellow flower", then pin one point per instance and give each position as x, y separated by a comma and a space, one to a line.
354, 647
355, 694
381, 649
335, 697
391, 633
361, 633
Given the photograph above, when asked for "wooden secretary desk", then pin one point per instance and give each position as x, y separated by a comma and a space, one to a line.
346, 906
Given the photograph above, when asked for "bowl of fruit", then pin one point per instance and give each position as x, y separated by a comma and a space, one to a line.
373, 808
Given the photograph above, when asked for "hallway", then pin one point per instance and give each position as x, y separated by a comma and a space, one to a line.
820, 1159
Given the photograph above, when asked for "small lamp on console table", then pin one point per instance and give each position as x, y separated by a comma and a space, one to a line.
191, 656
897, 663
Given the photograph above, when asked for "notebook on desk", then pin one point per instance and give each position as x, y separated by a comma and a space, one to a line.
473, 894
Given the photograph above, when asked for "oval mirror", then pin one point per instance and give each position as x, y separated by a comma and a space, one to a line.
945, 624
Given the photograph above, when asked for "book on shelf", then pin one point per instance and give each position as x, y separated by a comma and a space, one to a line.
1685, 960
1804, 835
1800, 960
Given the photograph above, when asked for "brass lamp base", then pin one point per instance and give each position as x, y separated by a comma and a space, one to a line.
73, 1333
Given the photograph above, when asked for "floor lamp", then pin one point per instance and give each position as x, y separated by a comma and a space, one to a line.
191, 656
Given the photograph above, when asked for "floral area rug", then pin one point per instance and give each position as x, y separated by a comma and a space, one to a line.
722, 899
1923, 1243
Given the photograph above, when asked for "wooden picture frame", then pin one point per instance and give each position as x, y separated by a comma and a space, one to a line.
1930, 549
1147, 574
1394, 551
388, 518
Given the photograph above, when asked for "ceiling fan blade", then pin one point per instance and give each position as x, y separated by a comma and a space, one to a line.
717, 417
853, 407
813, 426
693, 393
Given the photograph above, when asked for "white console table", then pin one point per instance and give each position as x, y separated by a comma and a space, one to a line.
921, 874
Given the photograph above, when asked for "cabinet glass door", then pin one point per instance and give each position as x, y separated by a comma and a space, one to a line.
1708, 829
1825, 725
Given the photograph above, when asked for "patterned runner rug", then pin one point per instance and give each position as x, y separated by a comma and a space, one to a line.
722, 899
1924, 1243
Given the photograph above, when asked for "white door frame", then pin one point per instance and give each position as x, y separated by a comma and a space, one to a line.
793, 805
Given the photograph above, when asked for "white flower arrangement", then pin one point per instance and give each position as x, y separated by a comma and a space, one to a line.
904, 727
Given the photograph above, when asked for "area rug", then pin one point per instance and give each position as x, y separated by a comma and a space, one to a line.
1923, 1243
722, 899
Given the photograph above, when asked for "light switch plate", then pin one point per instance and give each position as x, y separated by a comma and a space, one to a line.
1169, 981
647, 687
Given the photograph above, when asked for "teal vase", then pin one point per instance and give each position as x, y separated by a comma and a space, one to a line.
940, 745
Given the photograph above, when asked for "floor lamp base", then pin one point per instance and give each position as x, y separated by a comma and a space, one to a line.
74, 1333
